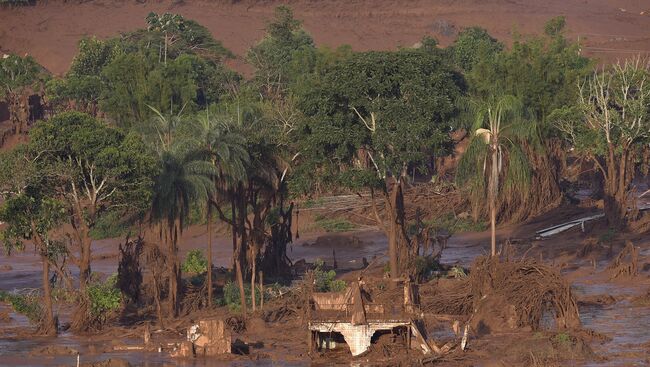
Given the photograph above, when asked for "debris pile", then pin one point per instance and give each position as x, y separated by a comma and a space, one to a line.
504, 294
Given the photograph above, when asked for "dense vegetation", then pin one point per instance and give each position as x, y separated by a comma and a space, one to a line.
150, 130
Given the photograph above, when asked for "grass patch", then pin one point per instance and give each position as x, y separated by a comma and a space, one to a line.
454, 224
313, 203
27, 305
334, 224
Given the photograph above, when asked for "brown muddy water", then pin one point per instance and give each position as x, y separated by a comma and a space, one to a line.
625, 323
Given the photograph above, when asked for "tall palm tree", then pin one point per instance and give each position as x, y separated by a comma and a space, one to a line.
184, 178
226, 151
495, 154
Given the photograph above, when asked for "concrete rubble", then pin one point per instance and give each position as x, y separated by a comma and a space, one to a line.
208, 338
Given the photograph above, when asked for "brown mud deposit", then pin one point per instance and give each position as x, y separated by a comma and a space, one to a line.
49, 31
613, 312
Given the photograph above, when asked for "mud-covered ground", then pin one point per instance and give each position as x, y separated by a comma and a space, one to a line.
615, 310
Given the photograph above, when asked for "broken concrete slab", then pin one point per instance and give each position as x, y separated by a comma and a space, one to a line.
210, 338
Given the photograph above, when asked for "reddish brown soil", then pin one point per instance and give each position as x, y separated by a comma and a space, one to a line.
609, 29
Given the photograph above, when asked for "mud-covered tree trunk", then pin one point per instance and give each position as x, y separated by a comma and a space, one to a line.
399, 254
48, 324
209, 225
85, 246
174, 269
493, 186
617, 175
18, 111
392, 232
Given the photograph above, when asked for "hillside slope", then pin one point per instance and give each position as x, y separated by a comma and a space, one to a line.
609, 29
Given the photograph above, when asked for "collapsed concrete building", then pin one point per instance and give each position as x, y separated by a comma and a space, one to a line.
354, 316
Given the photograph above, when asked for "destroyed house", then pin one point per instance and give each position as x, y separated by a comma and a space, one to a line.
351, 316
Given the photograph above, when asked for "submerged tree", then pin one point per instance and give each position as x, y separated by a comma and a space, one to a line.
610, 127
495, 154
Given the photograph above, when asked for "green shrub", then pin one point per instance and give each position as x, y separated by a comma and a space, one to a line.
27, 305
563, 339
110, 225
195, 262
325, 280
334, 224
105, 298
233, 301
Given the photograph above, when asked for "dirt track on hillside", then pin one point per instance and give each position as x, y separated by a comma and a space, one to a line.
609, 29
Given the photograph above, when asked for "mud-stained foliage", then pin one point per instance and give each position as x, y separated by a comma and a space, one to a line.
20, 77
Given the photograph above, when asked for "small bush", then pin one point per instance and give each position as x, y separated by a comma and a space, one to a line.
27, 305
325, 280
105, 298
195, 262
233, 301
110, 225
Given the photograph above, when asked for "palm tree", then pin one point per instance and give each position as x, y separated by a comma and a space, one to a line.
184, 178
495, 153
226, 152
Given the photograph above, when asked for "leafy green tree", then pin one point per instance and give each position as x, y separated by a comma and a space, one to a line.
226, 150
473, 45
171, 35
495, 153
610, 126
92, 169
82, 86
544, 74
369, 119
20, 77
183, 180
273, 56
28, 214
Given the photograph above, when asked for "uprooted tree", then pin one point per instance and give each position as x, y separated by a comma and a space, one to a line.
610, 127
372, 119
